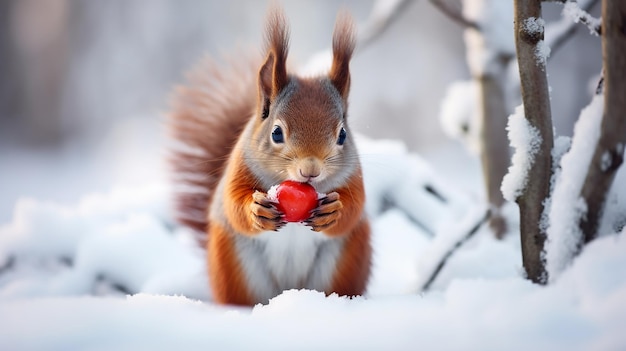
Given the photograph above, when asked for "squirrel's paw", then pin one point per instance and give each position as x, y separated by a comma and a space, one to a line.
326, 214
265, 215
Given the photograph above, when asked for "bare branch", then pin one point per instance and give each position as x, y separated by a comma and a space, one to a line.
444, 259
600, 85
494, 154
383, 14
454, 13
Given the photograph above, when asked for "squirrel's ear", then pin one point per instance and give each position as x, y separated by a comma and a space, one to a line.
343, 47
273, 73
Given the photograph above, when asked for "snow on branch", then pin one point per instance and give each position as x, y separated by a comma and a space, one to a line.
526, 140
576, 14
557, 33
567, 208
535, 27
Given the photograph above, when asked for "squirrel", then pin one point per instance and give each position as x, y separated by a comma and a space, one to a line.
249, 125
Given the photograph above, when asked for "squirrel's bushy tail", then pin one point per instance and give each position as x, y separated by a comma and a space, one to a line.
206, 117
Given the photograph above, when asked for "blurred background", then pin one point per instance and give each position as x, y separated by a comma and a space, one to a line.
84, 84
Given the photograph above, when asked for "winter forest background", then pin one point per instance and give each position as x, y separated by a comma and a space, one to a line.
86, 228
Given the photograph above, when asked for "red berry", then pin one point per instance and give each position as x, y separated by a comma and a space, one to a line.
296, 200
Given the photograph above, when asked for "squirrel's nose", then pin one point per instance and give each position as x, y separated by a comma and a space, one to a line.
310, 174
309, 169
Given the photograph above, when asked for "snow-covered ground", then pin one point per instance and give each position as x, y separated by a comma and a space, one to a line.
114, 271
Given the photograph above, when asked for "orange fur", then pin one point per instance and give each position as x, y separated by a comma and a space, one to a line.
227, 280
227, 119
353, 269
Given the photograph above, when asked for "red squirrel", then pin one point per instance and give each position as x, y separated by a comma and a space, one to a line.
249, 126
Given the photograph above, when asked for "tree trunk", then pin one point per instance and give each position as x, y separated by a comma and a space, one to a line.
534, 87
608, 155
494, 149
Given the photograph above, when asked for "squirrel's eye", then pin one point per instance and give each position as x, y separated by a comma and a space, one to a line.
277, 135
342, 137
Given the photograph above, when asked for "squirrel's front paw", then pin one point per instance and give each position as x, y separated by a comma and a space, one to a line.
264, 214
326, 214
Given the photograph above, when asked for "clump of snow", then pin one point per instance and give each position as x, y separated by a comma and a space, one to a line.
533, 25
573, 12
564, 235
272, 192
542, 53
526, 140
458, 115
562, 145
494, 37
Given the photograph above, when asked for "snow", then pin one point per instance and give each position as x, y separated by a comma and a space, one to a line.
574, 13
583, 311
542, 53
493, 39
571, 14
567, 206
606, 161
535, 26
459, 116
526, 140
115, 272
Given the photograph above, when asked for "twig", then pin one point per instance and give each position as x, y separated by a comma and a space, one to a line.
600, 86
452, 249
581, 14
381, 17
454, 14
559, 32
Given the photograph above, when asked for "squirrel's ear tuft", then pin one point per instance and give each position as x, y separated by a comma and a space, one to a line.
343, 46
273, 73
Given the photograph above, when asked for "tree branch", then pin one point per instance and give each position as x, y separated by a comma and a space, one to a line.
444, 259
535, 96
609, 152
559, 32
581, 14
383, 14
454, 13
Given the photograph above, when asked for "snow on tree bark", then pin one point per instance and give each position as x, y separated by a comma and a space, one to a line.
567, 206
535, 96
609, 151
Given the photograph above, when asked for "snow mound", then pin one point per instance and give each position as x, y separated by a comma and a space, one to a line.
115, 272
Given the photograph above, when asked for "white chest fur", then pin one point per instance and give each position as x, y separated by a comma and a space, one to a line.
293, 258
